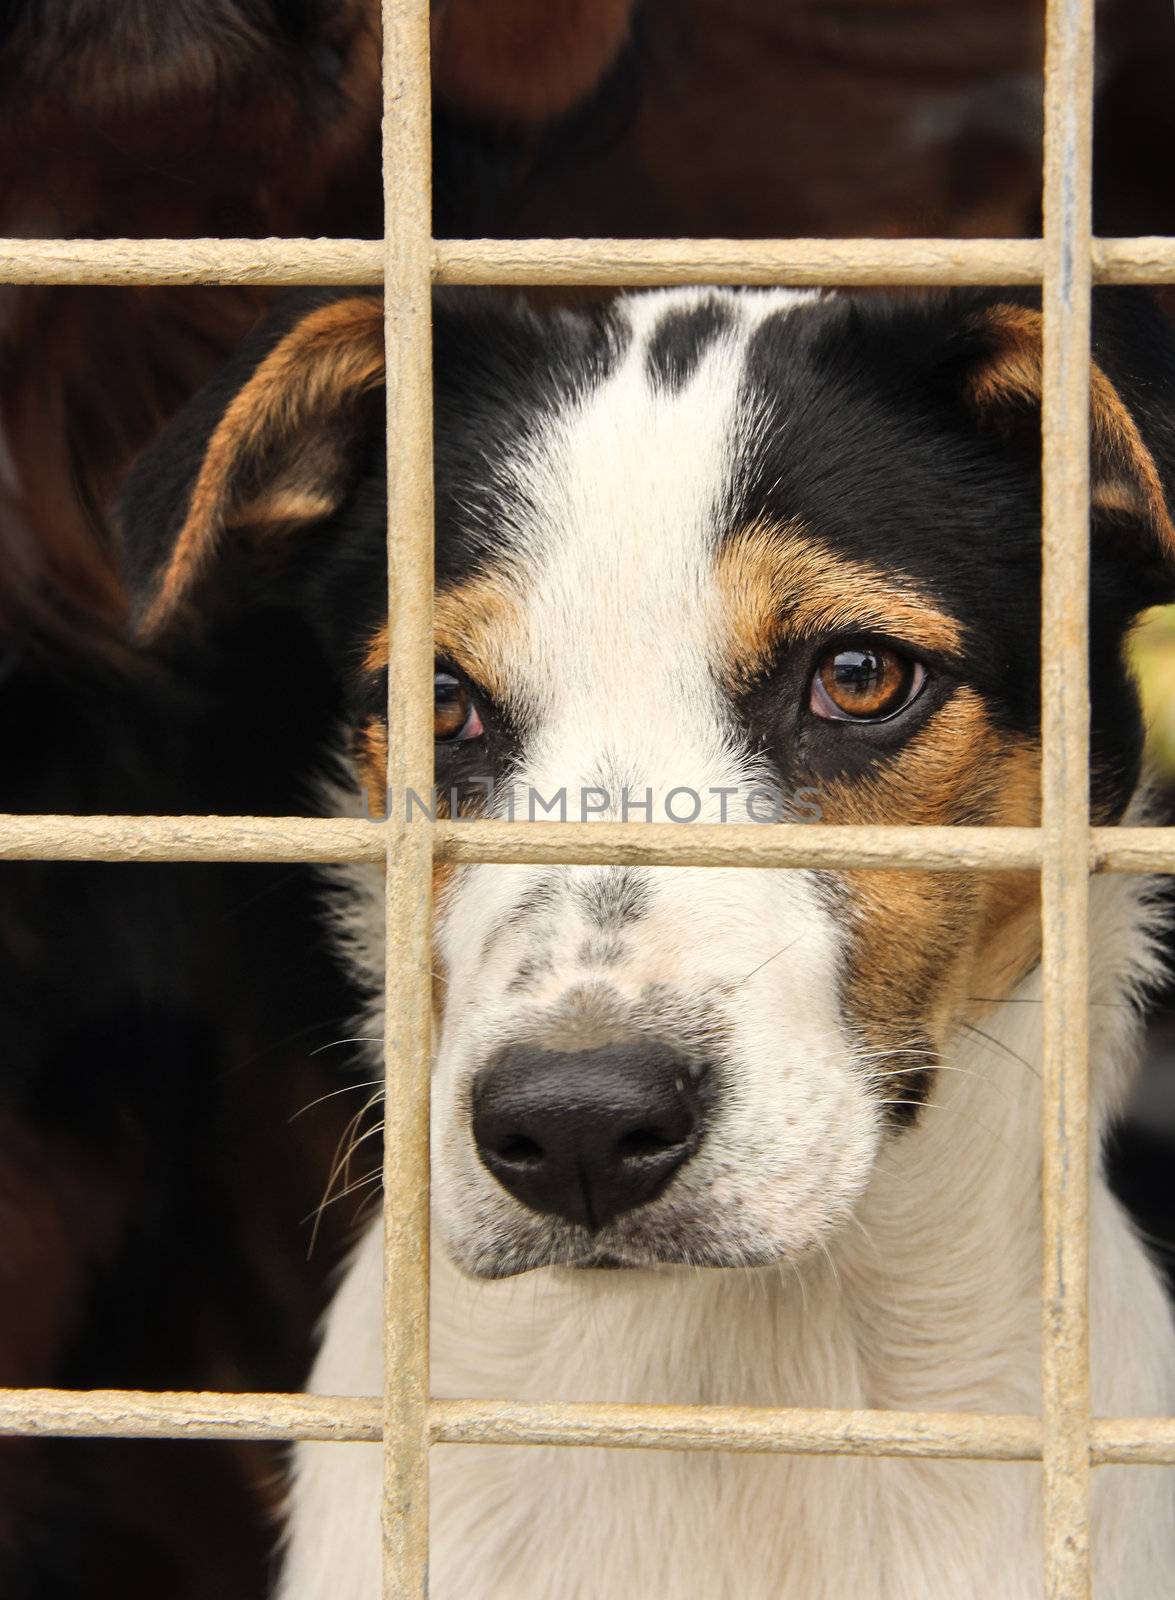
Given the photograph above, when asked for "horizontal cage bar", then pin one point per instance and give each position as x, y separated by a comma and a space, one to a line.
573, 262
345, 839
810, 263
65, 1413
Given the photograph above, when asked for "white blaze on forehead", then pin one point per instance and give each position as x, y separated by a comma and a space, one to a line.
627, 491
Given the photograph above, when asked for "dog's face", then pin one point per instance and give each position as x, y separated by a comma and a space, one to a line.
709, 556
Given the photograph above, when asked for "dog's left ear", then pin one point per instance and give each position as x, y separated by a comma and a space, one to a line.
1132, 412
264, 451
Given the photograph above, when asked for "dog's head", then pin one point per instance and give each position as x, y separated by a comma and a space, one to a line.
716, 556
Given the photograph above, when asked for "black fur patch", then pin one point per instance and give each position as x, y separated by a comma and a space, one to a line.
681, 339
615, 899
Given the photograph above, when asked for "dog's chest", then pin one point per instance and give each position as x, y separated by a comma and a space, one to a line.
583, 1524
590, 1525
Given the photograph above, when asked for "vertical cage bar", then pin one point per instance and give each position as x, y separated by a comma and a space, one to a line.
1065, 798
408, 232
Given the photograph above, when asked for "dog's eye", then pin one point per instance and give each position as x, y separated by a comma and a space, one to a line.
864, 683
456, 717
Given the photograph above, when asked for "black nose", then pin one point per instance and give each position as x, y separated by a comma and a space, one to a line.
587, 1134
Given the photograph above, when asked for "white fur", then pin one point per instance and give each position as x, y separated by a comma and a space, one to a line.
929, 1299
881, 1273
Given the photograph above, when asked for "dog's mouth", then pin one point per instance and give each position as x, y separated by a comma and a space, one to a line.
647, 1247
603, 1261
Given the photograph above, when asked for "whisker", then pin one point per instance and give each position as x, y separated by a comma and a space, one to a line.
348, 1088
937, 1105
340, 1164
1007, 1050
782, 952
352, 1188
1028, 1000
802, 1284
359, 1038
1164, 1246
827, 1253
942, 1066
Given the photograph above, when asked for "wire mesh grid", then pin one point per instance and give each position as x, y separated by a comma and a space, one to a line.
1065, 849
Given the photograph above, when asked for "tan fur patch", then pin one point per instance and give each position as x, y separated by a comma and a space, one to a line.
479, 624
277, 455
292, 502
780, 582
372, 758
375, 658
1123, 474
928, 947
473, 623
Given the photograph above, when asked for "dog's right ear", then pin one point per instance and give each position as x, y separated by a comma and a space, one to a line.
263, 452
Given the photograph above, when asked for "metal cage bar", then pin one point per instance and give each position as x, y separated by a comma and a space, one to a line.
986, 1436
575, 262
1065, 849
1068, 153
407, 158
654, 844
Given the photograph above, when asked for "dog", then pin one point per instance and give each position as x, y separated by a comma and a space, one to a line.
701, 1135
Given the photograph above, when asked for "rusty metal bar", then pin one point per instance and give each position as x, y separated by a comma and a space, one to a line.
175, 1414
1065, 1396
341, 839
149, 1415
139, 1414
739, 1429
359, 263
799, 263
407, 156
277, 263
